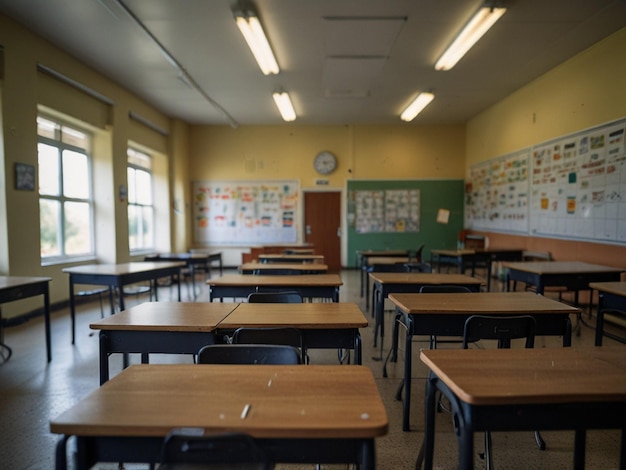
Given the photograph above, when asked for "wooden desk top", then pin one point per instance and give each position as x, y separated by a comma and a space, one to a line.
617, 288
508, 303
167, 316
424, 278
287, 258
285, 402
561, 267
293, 266
123, 268
525, 376
387, 260
301, 280
306, 315
8, 282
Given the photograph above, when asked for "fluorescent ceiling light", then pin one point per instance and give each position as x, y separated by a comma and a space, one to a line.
252, 31
284, 106
473, 31
416, 106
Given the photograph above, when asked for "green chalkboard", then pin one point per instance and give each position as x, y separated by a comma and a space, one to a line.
433, 196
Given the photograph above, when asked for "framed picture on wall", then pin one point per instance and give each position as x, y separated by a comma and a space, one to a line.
24, 177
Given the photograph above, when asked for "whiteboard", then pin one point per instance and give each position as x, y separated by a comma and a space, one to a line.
576, 188
245, 212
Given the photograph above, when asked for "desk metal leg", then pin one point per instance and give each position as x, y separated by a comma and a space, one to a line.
408, 358
72, 310
580, 438
46, 312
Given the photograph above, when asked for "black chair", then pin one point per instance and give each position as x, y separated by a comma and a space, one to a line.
248, 354
286, 297
417, 256
284, 336
443, 289
502, 329
182, 449
418, 267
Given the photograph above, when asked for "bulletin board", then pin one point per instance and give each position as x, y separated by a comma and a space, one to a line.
387, 210
424, 198
245, 212
576, 188
496, 194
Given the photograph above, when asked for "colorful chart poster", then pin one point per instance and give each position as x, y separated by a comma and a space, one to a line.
579, 185
496, 194
245, 212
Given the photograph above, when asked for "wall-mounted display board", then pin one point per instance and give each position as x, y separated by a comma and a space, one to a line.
576, 188
391, 210
496, 194
245, 212
412, 207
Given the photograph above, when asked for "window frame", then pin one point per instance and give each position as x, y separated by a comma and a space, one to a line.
60, 145
149, 169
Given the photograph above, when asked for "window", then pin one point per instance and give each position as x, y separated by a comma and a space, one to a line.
140, 202
65, 195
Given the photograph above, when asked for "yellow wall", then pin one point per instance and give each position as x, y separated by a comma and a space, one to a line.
582, 92
363, 152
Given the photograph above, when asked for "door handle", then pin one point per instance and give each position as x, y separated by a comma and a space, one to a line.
307, 230
339, 232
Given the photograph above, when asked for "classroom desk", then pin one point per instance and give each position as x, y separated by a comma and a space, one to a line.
324, 325
373, 260
298, 414
574, 275
611, 297
159, 327
14, 288
308, 285
547, 389
295, 268
193, 260
214, 256
116, 276
473, 258
281, 258
362, 257
387, 283
445, 315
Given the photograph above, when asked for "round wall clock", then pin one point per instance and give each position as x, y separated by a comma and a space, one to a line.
325, 162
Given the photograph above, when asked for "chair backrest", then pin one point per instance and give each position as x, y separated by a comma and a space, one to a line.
443, 289
537, 256
418, 267
237, 450
284, 336
388, 268
286, 297
500, 328
417, 256
248, 354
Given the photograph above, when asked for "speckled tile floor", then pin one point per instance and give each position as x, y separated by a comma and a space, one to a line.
32, 392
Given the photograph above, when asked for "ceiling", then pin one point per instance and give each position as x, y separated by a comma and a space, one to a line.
342, 61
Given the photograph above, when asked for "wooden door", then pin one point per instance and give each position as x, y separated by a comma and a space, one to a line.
322, 225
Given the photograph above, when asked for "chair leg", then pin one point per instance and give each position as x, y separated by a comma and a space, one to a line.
488, 458
539, 440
